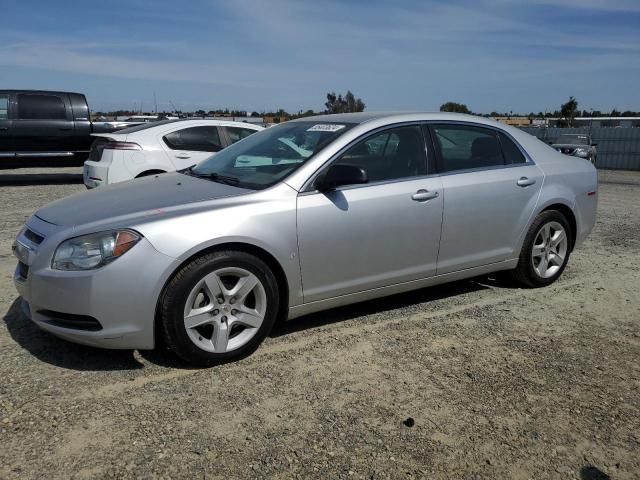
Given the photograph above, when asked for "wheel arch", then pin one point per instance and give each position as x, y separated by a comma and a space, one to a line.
261, 253
568, 213
147, 173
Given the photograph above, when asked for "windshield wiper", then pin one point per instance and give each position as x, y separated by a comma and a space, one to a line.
215, 177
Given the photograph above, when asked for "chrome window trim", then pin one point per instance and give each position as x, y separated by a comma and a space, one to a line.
308, 184
482, 169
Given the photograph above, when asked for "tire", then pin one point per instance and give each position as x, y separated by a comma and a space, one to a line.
531, 270
207, 318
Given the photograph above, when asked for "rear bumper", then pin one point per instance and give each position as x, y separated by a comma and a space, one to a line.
95, 174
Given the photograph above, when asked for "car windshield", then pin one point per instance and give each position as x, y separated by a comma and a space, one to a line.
267, 157
573, 139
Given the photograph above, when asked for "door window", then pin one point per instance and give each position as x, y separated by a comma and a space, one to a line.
512, 153
463, 147
4, 107
238, 133
199, 139
41, 107
389, 155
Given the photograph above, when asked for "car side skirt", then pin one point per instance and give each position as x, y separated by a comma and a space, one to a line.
311, 307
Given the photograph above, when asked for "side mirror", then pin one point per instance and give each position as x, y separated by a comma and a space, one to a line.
338, 175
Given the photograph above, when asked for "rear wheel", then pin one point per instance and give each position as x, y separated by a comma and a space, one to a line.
219, 307
545, 251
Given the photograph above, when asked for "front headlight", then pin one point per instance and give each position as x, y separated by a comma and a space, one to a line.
93, 251
581, 151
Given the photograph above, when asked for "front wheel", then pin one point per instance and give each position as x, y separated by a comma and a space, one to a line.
545, 251
219, 307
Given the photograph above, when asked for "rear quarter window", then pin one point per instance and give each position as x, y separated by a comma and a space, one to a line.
510, 150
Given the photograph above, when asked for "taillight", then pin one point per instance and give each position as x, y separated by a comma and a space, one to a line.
121, 146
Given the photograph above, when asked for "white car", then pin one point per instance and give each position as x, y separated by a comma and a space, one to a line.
158, 147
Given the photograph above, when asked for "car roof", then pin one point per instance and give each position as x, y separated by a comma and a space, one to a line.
160, 123
363, 117
37, 92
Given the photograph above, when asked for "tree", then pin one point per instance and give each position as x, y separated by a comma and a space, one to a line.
454, 107
568, 110
338, 104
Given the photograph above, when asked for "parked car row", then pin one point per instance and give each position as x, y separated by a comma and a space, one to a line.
158, 147
301, 217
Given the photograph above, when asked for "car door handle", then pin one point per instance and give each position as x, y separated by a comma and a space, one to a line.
424, 195
525, 182
65, 129
182, 156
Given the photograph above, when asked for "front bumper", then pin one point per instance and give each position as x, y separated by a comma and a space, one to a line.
95, 174
120, 298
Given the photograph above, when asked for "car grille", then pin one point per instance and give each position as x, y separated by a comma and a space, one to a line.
23, 270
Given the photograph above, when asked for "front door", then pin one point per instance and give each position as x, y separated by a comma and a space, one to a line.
382, 233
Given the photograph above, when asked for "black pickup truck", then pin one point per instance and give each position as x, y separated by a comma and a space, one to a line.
43, 128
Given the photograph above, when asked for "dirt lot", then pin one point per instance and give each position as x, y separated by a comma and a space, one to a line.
501, 382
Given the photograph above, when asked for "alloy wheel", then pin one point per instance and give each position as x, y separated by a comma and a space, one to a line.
549, 251
225, 310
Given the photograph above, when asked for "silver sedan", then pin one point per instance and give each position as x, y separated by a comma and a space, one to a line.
301, 217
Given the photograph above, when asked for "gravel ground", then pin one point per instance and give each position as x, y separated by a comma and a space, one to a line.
499, 382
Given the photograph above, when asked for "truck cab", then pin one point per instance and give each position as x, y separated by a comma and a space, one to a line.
43, 127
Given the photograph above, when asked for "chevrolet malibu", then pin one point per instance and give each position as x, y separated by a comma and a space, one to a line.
301, 217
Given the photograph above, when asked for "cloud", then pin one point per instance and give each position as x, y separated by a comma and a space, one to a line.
395, 53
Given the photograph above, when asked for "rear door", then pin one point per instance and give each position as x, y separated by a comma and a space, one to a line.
6, 142
490, 192
43, 125
190, 145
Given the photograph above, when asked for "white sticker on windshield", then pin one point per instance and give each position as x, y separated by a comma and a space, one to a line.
326, 127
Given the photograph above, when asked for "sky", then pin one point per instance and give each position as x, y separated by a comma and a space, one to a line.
492, 55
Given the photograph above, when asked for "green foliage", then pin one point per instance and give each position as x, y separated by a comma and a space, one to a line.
454, 107
569, 110
347, 104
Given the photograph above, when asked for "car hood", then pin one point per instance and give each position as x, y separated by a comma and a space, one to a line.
136, 196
